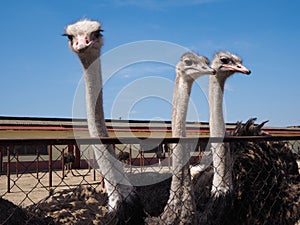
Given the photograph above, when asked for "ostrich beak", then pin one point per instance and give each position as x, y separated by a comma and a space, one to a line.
238, 68
81, 43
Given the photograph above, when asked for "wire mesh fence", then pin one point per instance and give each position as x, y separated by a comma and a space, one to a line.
40, 183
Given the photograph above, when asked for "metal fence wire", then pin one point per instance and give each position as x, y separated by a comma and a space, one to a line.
60, 182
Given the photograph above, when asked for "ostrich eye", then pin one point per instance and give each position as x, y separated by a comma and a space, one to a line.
224, 60
98, 34
70, 37
188, 62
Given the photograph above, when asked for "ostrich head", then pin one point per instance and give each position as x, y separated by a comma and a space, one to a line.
227, 64
192, 66
85, 39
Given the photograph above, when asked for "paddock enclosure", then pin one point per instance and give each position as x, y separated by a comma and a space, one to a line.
35, 188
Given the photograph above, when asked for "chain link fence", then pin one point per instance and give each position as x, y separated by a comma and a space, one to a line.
59, 182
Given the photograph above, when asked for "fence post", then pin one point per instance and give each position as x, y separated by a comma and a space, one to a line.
50, 165
37, 161
169, 157
17, 163
141, 158
77, 157
102, 183
1, 159
199, 153
130, 158
89, 160
8, 169
63, 163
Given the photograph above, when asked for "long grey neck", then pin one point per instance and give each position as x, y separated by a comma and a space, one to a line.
222, 161
94, 98
216, 120
181, 180
181, 97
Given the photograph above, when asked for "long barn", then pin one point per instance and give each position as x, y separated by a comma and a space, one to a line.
62, 128
34, 128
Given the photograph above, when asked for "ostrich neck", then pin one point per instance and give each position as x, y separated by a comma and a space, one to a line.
222, 162
181, 97
216, 120
181, 198
94, 98
111, 168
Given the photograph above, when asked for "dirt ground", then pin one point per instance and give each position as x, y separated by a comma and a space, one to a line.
29, 188
71, 200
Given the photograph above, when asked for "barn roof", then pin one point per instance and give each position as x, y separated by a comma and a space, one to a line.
43, 123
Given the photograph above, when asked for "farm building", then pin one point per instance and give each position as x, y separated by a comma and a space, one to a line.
35, 128
63, 128
38, 167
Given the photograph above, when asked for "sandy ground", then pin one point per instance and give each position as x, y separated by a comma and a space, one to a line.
75, 199
27, 189
70, 202
30, 188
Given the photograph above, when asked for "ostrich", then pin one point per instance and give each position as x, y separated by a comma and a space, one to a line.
85, 39
226, 64
263, 171
266, 180
181, 206
266, 183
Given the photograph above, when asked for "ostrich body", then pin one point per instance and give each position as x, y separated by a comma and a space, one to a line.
225, 64
266, 183
266, 180
85, 39
181, 208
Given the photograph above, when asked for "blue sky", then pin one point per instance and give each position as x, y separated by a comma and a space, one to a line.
40, 75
